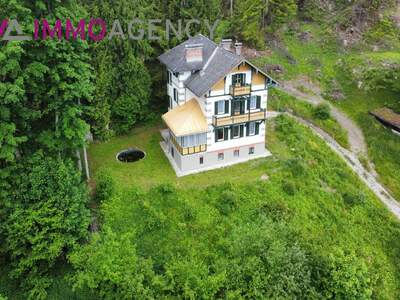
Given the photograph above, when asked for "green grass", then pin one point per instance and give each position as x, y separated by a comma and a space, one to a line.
315, 58
155, 168
319, 60
383, 144
308, 191
281, 101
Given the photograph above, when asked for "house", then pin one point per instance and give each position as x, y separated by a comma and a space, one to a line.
217, 106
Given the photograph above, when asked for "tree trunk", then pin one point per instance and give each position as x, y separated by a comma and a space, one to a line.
78, 156
86, 162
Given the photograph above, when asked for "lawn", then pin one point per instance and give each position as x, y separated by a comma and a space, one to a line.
188, 227
155, 168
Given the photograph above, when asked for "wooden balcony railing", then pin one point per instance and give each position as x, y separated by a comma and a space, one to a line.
243, 118
240, 90
188, 150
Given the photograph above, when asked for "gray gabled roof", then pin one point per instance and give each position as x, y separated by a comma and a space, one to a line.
175, 59
220, 63
216, 63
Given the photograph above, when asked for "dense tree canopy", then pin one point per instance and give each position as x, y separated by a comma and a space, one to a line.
44, 216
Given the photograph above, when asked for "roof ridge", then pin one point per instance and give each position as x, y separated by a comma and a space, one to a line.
209, 61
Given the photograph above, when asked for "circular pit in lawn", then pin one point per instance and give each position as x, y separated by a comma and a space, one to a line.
130, 155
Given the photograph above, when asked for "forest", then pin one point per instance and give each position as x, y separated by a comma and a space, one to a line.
312, 231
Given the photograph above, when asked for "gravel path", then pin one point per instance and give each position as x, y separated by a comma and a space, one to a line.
356, 137
312, 94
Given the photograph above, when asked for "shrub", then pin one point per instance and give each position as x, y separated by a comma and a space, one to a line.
322, 112
354, 198
348, 277
296, 166
289, 187
105, 186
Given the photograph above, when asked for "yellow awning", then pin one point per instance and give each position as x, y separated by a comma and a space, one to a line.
186, 119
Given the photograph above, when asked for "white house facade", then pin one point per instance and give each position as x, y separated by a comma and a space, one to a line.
217, 106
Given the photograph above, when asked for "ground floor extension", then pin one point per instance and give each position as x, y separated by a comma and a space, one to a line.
200, 161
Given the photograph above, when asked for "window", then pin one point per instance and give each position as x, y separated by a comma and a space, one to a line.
201, 160
236, 153
193, 140
172, 152
175, 95
235, 131
252, 128
239, 79
222, 107
253, 102
238, 106
220, 134
221, 156
169, 77
251, 150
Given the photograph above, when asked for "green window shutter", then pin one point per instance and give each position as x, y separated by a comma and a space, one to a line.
258, 105
226, 106
226, 133
231, 132
257, 128
216, 134
247, 129
241, 130
216, 108
248, 103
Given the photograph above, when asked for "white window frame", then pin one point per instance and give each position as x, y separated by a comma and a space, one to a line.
169, 77
253, 102
223, 134
238, 131
221, 104
252, 128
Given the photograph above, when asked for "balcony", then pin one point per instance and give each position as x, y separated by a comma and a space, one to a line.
243, 118
240, 90
188, 150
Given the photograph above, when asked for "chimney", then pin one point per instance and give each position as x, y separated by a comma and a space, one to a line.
194, 53
238, 48
226, 44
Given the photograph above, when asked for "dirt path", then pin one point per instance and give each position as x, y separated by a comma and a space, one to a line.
356, 137
354, 163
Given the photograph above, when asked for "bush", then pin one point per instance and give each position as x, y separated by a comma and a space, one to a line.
354, 198
105, 186
348, 278
289, 187
322, 112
